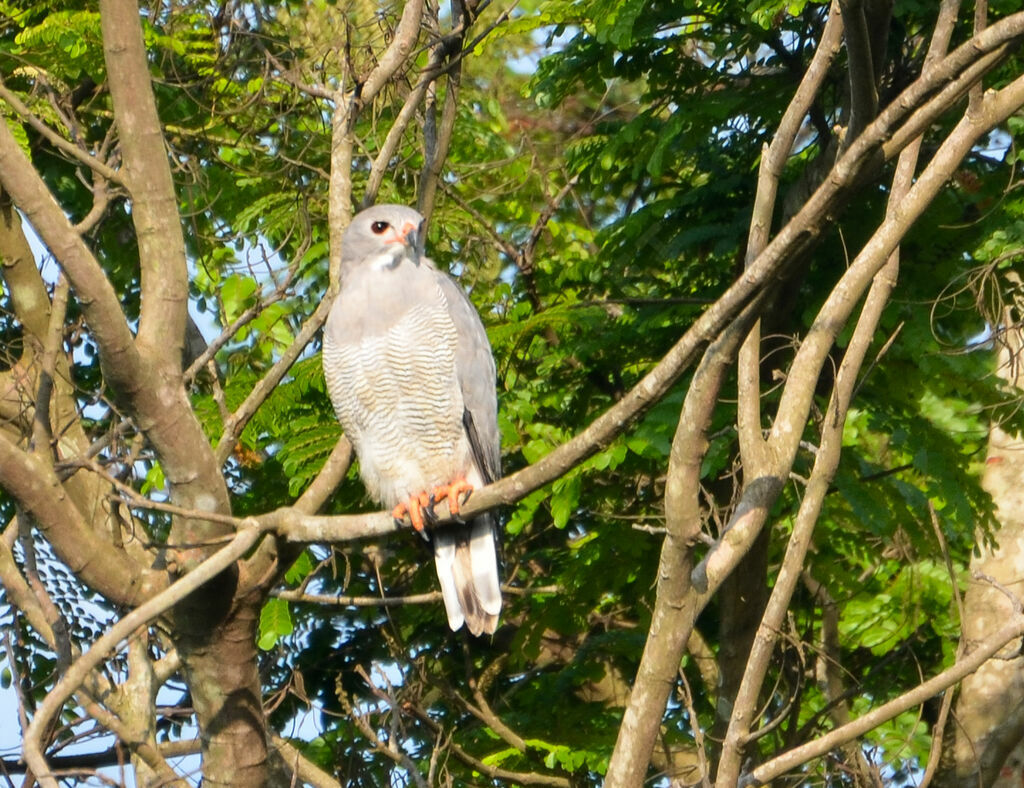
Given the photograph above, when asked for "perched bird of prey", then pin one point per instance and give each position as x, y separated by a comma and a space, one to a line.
412, 380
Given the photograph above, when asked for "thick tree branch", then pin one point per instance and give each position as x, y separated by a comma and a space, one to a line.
826, 461
119, 632
148, 178
25, 287
156, 394
339, 199
100, 303
773, 160
670, 628
924, 117
36, 488
395, 56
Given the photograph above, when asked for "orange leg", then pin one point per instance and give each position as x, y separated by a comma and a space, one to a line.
414, 507
453, 492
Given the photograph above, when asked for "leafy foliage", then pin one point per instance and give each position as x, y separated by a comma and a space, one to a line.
656, 115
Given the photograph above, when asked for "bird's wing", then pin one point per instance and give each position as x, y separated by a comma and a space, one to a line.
477, 379
466, 555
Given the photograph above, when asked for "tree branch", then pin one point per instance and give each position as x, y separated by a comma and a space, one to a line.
762, 491
404, 39
33, 484
826, 463
141, 615
494, 772
121, 362
773, 160
670, 628
301, 766
437, 139
55, 139
148, 178
780, 765
860, 68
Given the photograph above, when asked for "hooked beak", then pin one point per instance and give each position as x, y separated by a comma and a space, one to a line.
408, 236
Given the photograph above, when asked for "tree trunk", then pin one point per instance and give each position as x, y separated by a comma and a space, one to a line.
990, 709
219, 658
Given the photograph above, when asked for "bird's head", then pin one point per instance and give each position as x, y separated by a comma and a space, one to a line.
382, 237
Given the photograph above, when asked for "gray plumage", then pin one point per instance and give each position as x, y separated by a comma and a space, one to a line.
411, 376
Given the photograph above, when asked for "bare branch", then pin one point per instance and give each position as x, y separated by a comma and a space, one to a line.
401, 47
143, 614
782, 764
148, 178
42, 427
37, 489
388, 750
437, 139
773, 159
382, 161
671, 623
73, 151
25, 287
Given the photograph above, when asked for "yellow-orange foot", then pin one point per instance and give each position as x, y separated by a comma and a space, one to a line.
415, 507
454, 492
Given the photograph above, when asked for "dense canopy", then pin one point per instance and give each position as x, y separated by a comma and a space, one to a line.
751, 275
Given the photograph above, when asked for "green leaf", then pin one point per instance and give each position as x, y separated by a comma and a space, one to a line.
275, 623
299, 570
236, 295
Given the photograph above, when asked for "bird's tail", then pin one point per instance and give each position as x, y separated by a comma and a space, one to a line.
466, 558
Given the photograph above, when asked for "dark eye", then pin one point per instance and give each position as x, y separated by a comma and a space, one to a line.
379, 227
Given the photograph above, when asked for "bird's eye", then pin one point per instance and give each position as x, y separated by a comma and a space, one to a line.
379, 227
